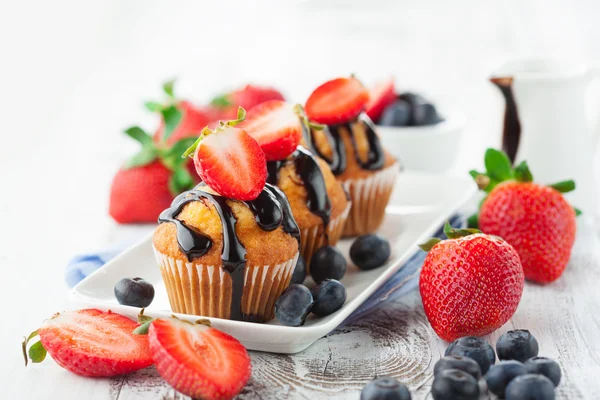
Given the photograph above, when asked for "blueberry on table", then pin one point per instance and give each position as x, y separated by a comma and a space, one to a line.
294, 304
517, 345
501, 374
370, 251
299, 274
396, 114
475, 348
530, 387
425, 114
544, 366
385, 389
329, 296
454, 384
134, 292
457, 362
327, 263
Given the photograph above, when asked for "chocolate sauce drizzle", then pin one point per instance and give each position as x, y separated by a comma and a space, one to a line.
338, 162
309, 171
271, 210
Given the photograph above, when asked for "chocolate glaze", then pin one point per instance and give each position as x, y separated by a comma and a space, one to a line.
511, 132
309, 171
271, 210
338, 162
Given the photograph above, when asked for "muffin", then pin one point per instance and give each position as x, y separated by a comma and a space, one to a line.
226, 258
318, 201
348, 142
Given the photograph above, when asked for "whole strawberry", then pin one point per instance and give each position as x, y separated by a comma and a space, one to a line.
535, 219
470, 284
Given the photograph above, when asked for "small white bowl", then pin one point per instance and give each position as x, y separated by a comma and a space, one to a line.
432, 148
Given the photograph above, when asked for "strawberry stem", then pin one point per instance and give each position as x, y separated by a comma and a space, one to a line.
37, 352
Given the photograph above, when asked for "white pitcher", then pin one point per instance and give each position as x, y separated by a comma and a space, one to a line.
546, 123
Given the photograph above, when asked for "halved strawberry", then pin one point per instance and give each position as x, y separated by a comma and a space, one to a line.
197, 360
91, 343
230, 161
276, 127
336, 101
382, 95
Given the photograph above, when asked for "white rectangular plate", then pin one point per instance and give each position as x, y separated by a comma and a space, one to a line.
420, 204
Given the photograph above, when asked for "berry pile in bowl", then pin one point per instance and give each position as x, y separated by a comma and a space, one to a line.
413, 129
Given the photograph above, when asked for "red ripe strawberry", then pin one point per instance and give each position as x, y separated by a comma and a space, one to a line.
337, 101
470, 284
147, 183
535, 219
91, 343
230, 161
381, 96
276, 127
199, 361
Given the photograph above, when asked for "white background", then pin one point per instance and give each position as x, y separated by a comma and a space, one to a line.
73, 74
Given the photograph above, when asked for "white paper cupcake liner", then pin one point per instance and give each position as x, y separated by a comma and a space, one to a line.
369, 198
205, 290
313, 238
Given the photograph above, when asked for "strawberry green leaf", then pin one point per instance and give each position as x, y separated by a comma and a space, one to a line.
578, 212
180, 181
564, 186
144, 157
37, 352
241, 116
428, 245
137, 133
473, 221
498, 165
168, 87
179, 148
143, 318
143, 328
220, 101
153, 106
25, 343
190, 150
453, 233
522, 172
171, 116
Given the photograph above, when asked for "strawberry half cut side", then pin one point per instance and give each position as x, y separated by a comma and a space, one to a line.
337, 101
381, 96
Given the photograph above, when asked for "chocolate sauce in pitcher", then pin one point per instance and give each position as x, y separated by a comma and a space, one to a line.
511, 132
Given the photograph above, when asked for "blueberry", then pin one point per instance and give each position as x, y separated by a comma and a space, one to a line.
517, 345
458, 362
530, 387
299, 274
294, 304
329, 296
413, 99
370, 251
475, 348
396, 114
134, 292
425, 114
544, 366
500, 375
454, 384
327, 263
385, 389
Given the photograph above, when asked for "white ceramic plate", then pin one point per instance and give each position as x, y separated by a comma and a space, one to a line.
419, 205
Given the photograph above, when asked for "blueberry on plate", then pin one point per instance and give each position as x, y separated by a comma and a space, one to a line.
530, 387
544, 366
370, 251
385, 389
134, 292
329, 296
327, 263
517, 345
454, 384
425, 114
299, 274
294, 304
457, 362
396, 114
501, 374
413, 99
475, 348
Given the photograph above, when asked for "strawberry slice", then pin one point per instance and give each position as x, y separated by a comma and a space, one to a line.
230, 161
276, 127
336, 101
197, 360
91, 343
381, 96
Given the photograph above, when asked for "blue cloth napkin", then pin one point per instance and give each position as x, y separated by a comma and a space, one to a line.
402, 283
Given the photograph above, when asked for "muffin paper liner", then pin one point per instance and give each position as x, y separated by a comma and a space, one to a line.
369, 198
205, 290
313, 238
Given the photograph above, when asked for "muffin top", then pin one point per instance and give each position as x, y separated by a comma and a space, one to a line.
302, 181
200, 216
357, 139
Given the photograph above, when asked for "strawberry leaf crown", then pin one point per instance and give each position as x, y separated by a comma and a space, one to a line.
169, 110
451, 233
499, 169
145, 321
241, 116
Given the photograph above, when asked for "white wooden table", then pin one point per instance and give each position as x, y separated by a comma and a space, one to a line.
75, 74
